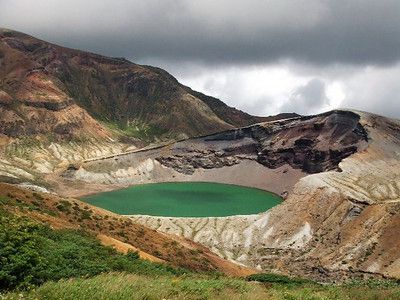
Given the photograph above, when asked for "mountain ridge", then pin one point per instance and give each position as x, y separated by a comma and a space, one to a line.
44, 80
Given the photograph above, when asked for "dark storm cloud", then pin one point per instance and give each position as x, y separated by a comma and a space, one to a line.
331, 52
225, 32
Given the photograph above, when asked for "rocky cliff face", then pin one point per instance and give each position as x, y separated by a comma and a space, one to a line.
312, 144
72, 90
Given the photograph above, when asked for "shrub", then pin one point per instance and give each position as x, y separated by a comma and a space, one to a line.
86, 215
3, 200
64, 206
133, 255
276, 278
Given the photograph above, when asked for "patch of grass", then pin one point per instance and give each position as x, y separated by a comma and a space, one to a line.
374, 283
126, 286
35, 204
118, 286
86, 215
141, 131
337, 292
37, 196
4, 200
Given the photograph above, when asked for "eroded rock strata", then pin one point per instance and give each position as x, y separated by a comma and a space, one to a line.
313, 145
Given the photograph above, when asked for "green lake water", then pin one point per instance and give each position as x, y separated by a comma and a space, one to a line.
185, 199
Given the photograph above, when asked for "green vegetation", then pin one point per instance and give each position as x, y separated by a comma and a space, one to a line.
141, 131
276, 278
186, 199
334, 292
120, 286
126, 286
32, 253
284, 287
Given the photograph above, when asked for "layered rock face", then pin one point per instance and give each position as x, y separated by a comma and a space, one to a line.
32, 101
312, 144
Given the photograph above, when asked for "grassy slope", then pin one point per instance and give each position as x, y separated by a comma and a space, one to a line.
33, 253
128, 286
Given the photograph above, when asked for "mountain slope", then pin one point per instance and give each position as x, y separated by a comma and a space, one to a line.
72, 90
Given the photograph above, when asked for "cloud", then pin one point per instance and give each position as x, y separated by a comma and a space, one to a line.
218, 31
262, 56
271, 89
259, 90
374, 89
308, 98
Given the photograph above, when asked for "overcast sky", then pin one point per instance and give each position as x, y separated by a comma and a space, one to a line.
261, 56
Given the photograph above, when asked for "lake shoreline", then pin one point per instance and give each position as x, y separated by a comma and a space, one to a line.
186, 200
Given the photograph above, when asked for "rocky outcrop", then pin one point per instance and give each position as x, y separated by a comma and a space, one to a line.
5, 99
187, 164
40, 120
313, 144
53, 106
317, 144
